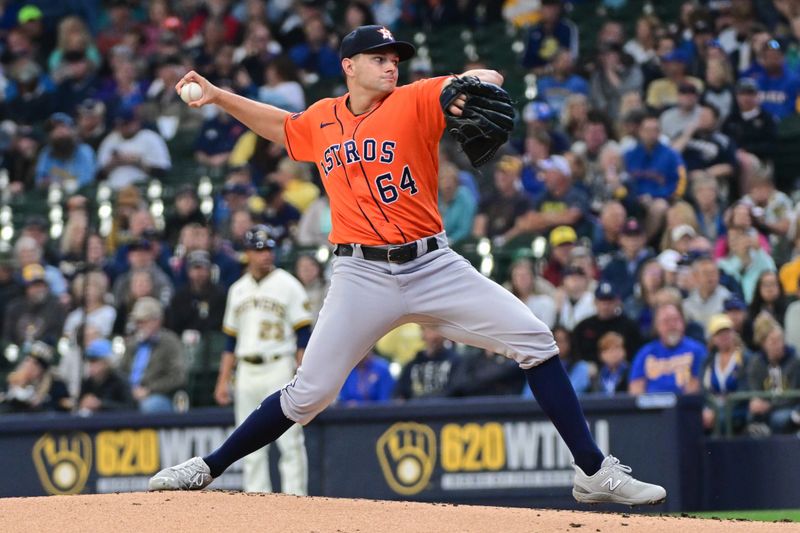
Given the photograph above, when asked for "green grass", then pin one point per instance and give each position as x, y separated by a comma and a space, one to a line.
770, 515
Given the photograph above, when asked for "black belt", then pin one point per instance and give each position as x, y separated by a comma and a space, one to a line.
260, 359
395, 254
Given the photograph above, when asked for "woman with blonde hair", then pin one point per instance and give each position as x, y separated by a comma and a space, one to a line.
90, 293
642, 47
574, 116
719, 87
72, 35
775, 369
680, 214
723, 373
73, 242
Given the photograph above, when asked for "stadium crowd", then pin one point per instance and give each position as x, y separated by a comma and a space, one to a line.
637, 209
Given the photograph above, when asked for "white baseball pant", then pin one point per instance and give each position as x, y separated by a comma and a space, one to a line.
253, 384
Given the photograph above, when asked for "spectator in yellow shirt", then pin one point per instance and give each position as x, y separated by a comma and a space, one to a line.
295, 181
663, 92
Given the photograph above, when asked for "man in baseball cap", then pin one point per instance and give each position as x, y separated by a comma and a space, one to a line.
258, 238
735, 309
562, 235
623, 269
103, 389
202, 299
751, 127
562, 240
373, 39
153, 359
609, 317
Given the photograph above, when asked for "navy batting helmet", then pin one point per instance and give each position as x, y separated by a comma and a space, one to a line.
257, 238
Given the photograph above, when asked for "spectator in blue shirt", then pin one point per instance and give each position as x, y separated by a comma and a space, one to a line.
369, 381
778, 88
457, 204
216, 139
65, 160
551, 33
555, 88
316, 55
672, 362
655, 169
656, 173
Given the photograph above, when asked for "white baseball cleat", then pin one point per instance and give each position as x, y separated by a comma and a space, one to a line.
614, 484
193, 474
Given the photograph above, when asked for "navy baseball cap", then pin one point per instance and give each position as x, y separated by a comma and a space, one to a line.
747, 85
370, 38
734, 303
677, 56
605, 291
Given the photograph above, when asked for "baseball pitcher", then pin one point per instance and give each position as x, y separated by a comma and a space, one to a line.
377, 150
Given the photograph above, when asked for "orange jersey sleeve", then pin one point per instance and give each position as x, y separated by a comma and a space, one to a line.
300, 141
380, 169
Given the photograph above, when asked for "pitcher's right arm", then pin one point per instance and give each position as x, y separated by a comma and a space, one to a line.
263, 119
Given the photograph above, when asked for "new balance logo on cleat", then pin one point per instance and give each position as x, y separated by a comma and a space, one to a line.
613, 483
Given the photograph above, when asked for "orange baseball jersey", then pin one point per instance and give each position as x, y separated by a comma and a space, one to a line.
380, 169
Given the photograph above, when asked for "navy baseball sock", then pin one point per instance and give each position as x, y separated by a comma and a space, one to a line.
265, 424
551, 388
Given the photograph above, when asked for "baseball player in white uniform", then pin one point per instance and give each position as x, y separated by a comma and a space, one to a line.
265, 311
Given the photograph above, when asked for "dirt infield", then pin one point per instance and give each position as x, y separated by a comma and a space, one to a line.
227, 511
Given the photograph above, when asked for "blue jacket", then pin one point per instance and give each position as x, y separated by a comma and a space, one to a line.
659, 172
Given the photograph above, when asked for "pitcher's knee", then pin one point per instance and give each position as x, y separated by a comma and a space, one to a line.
530, 360
532, 348
302, 404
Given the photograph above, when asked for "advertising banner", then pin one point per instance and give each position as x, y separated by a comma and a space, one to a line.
106, 453
496, 451
502, 452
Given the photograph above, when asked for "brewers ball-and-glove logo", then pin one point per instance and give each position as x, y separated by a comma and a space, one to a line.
407, 455
63, 462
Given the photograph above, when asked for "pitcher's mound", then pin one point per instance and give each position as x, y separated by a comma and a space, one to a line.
209, 511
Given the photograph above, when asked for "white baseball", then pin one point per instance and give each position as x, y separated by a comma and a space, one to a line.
191, 91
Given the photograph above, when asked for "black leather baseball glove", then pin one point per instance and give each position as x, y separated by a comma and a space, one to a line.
486, 121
